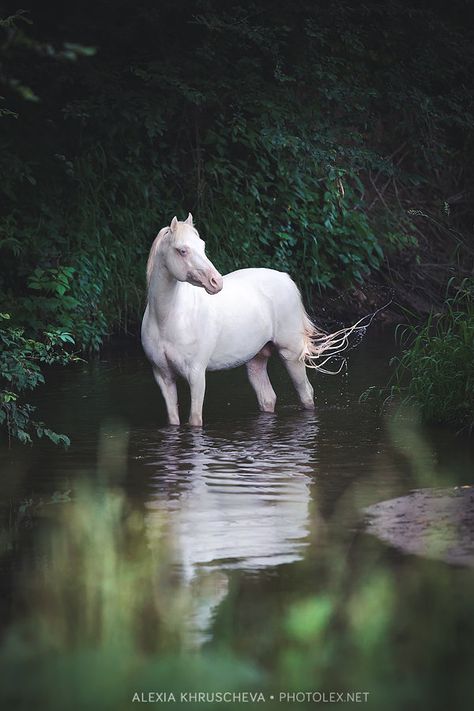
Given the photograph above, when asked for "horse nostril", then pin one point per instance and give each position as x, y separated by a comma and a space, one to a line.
215, 281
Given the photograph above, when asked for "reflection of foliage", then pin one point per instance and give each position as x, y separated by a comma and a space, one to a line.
107, 620
105, 617
393, 628
384, 637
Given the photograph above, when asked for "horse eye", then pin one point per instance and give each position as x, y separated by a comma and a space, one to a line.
182, 251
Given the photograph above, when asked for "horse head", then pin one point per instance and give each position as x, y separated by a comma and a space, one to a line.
183, 253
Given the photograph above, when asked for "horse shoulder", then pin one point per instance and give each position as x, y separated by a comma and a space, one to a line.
153, 345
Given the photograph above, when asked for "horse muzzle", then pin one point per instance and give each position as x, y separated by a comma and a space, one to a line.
211, 281
214, 283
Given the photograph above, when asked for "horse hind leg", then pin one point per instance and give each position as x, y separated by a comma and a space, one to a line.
167, 384
297, 372
259, 380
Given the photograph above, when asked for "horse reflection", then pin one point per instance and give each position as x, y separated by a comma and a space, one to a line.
237, 499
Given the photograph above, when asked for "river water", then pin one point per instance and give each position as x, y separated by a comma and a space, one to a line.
258, 509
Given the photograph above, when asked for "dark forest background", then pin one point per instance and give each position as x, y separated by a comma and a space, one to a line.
330, 140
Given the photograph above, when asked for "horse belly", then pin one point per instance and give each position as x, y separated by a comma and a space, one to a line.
244, 333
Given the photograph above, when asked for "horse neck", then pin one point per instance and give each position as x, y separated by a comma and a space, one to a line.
164, 292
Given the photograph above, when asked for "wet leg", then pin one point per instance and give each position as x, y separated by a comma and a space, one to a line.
197, 384
167, 383
297, 372
258, 376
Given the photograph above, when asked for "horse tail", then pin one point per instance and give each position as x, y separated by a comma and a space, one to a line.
319, 346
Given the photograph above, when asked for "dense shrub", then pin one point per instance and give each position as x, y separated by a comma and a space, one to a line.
436, 368
21, 361
298, 137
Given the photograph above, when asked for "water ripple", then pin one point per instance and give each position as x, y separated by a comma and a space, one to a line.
238, 499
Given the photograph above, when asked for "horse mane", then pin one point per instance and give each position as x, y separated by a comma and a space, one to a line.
152, 256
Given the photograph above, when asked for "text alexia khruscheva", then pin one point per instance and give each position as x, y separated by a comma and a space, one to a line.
251, 697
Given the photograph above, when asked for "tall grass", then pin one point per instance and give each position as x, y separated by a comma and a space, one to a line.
436, 368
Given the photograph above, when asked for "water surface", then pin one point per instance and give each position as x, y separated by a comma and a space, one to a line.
255, 506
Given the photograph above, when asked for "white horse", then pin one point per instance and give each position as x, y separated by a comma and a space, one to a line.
236, 319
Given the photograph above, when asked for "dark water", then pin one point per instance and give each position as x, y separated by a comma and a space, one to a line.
257, 504
246, 490
239, 450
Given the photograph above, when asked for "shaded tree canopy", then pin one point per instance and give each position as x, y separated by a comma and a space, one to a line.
305, 137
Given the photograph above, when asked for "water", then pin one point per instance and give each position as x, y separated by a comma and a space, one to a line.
260, 511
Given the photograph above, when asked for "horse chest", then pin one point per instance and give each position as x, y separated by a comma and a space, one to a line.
178, 351
177, 344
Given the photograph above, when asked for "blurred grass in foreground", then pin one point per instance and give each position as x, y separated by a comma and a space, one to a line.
105, 615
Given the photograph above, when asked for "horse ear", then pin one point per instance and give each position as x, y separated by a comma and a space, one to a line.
189, 220
174, 224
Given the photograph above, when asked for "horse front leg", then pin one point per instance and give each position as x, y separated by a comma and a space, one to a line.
167, 384
197, 384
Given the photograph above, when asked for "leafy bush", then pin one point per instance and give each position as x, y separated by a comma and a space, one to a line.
436, 369
316, 140
21, 360
299, 140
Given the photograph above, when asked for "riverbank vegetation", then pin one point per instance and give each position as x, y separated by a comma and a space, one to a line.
330, 141
436, 369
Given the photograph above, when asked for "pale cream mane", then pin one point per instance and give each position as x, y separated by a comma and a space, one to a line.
152, 256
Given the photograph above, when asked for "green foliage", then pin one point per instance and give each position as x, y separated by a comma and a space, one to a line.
297, 140
21, 363
436, 369
319, 141
68, 296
